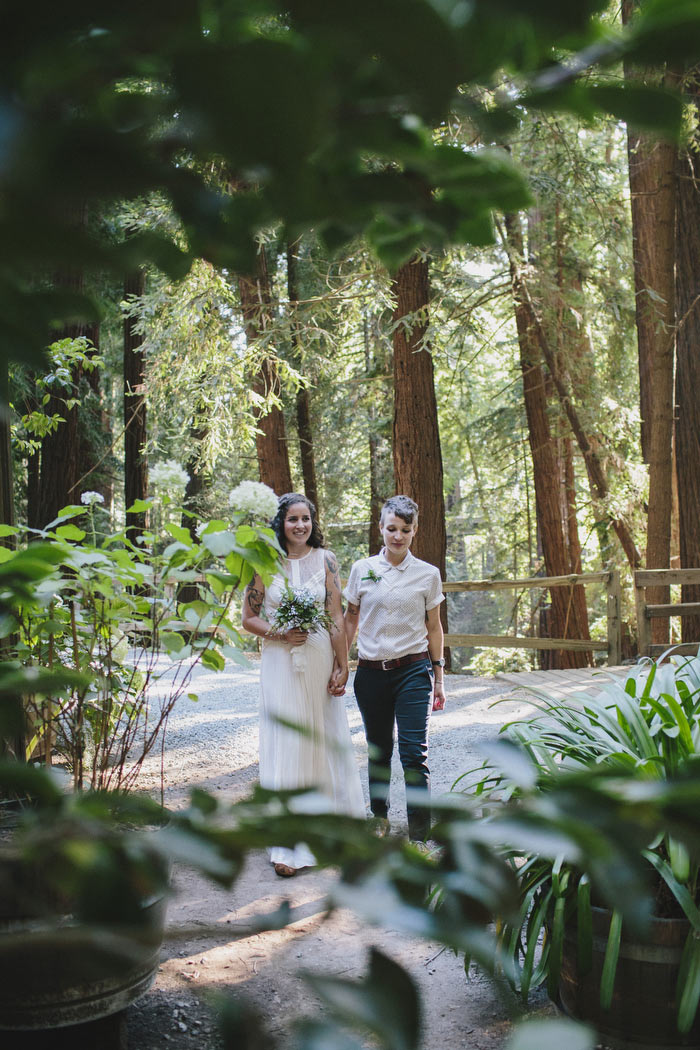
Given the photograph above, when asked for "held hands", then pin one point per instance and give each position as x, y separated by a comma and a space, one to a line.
336, 683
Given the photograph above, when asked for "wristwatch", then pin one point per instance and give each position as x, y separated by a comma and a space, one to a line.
438, 663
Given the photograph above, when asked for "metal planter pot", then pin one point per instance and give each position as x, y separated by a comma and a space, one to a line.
59, 971
65, 974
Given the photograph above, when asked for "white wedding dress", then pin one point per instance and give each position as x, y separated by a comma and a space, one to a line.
322, 756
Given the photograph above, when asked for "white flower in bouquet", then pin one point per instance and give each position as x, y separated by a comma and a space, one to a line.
168, 475
90, 498
255, 499
299, 607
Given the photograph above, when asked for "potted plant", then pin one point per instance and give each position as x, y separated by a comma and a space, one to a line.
637, 991
91, 624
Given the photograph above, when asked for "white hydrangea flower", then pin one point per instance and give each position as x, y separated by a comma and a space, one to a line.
90, 498
254, 498
168, 475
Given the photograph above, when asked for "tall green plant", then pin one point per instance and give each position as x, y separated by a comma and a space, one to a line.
647, 730
106, 607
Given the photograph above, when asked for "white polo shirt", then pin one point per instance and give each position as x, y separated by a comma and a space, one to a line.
394, 606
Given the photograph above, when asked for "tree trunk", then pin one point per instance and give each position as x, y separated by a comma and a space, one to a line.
303, 400
417, 455
93, 420
600, 489
374, 536
544, 459
60, 451
652, 175
196, 485
7, 498
271, 440
60, 454
135, 412
688, 367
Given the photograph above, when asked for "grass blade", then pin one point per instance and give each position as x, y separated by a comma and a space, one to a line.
584, 916
556, 948
612, 954
688, 989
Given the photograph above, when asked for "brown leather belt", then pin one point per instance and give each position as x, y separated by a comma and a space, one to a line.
389, 665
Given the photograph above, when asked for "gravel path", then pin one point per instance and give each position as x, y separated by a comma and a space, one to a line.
212, 944
213, 742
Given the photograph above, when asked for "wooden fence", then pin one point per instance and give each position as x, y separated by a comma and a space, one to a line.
644, 578
611, 646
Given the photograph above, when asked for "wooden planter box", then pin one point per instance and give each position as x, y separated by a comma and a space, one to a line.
643, 1011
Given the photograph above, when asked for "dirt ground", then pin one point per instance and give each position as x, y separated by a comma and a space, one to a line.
213, 941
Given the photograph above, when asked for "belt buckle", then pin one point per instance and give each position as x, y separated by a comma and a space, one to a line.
384, 663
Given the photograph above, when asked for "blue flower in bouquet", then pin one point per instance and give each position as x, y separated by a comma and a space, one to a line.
300, 608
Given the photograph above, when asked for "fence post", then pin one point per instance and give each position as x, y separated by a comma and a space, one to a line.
614, 622
643, 625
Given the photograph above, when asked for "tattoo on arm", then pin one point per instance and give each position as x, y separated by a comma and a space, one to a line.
353, 610
332, 567
254, 596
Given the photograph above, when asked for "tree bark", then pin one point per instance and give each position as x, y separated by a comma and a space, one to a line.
93, 421
135, 412
688, 366
544, 459
303, 400
271, 439
600, 489
417, 455
652, 177
374, 441
60, 451
7, 498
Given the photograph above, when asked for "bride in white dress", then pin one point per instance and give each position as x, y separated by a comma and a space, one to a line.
305, 689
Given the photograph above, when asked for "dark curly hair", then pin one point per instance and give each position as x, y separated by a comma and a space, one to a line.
277, 523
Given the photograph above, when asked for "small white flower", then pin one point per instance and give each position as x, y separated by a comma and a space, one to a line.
90, 498
168, 475
254, 498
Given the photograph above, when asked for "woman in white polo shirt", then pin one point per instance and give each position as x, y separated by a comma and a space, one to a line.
394, 603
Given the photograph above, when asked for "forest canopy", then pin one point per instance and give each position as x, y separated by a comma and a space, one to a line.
403, 232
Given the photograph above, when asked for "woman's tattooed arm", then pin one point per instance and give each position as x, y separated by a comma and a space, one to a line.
254, 597
332, 575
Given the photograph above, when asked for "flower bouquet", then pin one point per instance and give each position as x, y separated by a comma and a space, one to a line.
300, 608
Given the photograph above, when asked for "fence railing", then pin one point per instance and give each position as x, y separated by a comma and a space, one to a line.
612, 645
644, 578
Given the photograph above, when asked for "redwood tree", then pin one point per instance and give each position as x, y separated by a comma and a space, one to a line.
688, 362
7, 502
303, 400
135, 412
652, 177
417, 456
59, 468
546, 468
271, 440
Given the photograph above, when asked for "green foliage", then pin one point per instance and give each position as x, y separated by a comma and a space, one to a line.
85, 623
314, 111
647, 730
